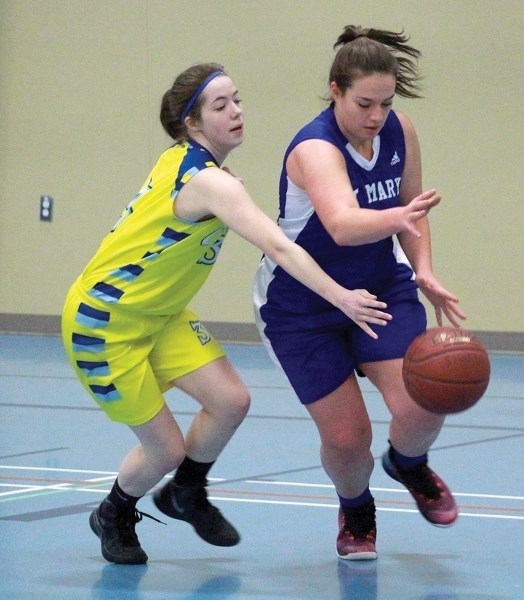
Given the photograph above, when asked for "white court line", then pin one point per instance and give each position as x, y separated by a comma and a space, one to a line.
379, 489
379, 509
69, 486
57, 470
110, 475
34, 488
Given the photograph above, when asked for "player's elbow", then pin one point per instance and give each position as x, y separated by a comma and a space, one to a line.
342, 236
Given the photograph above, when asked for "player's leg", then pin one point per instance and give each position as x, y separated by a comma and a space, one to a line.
207, 376
412, 432
314, 351
160, 450
412, 429
345, 436
345, 433
225, 402
116, 372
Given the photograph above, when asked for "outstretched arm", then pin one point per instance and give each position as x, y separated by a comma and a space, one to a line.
215, 192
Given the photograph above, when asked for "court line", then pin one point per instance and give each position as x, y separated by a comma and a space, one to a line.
109, 475
379, 508
380, 489
25, 491
272, 417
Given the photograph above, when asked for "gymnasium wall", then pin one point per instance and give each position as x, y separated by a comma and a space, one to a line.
80, 86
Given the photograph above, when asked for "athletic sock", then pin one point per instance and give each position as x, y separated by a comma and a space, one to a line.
120, 499
406, 463
191, 473
360, 500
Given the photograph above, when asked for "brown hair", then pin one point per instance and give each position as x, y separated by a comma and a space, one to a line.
367, 51
179, 94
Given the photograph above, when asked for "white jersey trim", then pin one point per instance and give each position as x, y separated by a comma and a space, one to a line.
366, 164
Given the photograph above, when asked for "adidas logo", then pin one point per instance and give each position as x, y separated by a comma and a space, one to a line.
395, 159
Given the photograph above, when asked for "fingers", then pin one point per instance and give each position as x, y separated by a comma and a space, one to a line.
453, 321
370, 300
419, 208
456, 310
431, 198
379, 318
364, 326
447, 296
376, 317
363, 308
371, 313
452, 313
426, 194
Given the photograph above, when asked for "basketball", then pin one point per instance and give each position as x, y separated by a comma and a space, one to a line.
446, 370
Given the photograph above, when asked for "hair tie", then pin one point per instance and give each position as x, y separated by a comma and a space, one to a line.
196, 94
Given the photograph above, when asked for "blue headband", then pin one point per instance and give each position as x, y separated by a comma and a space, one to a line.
199, 90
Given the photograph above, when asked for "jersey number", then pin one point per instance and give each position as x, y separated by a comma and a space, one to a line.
201, 331
213, 243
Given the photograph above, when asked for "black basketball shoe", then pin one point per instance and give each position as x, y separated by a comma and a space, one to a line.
191, 504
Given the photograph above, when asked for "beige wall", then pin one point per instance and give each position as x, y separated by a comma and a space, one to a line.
80, 84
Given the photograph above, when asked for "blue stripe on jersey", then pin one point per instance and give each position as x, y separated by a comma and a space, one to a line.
106, 292
87, 343
170, 237
127, 273
151, 255
93, 368
91, 317
105, 393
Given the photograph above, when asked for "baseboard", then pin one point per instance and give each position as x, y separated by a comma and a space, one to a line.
494, 341
50, 325
30, 324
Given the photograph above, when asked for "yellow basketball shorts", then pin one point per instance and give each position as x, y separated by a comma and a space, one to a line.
126, 361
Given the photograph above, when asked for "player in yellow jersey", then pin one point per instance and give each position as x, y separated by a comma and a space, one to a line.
129, 334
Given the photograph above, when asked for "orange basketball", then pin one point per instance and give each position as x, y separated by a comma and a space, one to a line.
446, 370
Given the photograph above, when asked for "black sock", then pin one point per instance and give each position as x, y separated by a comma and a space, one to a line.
191, 473
120, 499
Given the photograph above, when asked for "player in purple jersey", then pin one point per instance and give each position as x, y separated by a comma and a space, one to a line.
348, 178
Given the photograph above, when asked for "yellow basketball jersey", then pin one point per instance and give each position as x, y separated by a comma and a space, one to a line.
151, 261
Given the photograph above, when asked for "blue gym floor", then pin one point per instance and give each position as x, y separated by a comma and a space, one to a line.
59, 456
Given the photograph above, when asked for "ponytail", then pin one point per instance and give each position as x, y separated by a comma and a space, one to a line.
365, 51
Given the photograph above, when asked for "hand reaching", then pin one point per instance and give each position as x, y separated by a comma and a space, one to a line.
363, 308
417, 209
442, 300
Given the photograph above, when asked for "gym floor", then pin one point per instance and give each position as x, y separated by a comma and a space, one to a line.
59, 456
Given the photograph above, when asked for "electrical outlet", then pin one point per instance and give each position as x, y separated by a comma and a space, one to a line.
46, 208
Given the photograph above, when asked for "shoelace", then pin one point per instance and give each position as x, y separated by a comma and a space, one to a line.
125, 524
